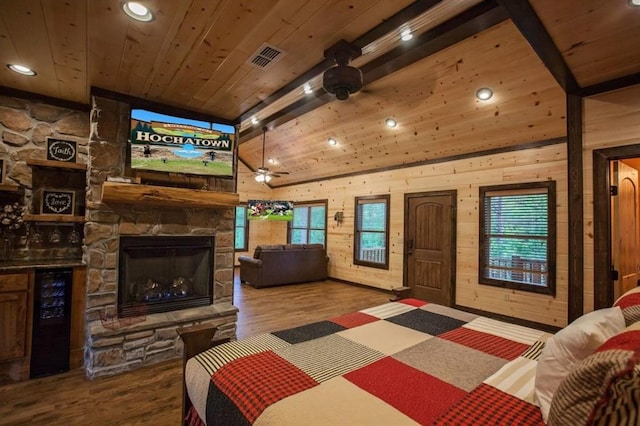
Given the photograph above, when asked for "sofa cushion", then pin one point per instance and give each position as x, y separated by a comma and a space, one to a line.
293, 247
313, 246
259, 249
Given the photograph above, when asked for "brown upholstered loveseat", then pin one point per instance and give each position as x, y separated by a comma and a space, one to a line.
284, 264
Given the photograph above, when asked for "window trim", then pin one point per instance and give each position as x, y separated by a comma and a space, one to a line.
312, 203
550, 187
245, 248
386, 199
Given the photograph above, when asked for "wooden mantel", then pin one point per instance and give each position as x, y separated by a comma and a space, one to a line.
131, 193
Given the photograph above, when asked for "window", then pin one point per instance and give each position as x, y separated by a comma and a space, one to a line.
371, 246
242, 229
517, 236
309, 224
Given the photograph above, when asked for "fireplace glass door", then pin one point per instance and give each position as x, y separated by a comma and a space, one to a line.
165, 273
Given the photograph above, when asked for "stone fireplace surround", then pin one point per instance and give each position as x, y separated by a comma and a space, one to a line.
110, 350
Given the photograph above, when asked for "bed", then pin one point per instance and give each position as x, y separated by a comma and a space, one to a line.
405, 362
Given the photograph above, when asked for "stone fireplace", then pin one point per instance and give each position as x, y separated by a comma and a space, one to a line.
164, 273
119, 345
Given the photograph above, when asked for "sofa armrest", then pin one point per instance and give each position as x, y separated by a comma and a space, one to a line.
250, 270
247, 260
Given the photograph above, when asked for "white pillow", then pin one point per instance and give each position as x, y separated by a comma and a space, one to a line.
570, 345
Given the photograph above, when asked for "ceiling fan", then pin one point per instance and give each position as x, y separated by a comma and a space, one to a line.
342, 80
263, 174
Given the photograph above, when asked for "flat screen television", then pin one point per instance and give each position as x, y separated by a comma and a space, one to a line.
166, 143
269, 210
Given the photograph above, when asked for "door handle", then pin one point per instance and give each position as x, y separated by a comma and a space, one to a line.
410, 247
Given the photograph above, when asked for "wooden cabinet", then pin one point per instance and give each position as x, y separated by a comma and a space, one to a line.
16, 320
16, 311
14, 315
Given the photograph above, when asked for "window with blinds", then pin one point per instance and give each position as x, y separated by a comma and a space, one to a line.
371, 234
242, 229
517, 236
309, 224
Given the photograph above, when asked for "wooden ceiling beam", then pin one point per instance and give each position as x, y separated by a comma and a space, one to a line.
135, 102
610, 85
416, 8
527, 21
471, 22
11, 92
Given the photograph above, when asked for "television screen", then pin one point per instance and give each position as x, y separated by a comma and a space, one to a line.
269, 210
165, 143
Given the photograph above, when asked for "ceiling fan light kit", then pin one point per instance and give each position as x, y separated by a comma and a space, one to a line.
342, 81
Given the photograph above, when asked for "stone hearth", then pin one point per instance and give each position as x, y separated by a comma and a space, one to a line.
113, 349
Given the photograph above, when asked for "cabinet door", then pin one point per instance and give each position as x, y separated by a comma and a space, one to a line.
13, 325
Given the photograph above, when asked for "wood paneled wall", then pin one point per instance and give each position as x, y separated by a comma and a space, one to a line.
611, 120
465, 176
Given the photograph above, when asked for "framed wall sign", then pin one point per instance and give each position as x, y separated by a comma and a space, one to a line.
58, 202
62, 150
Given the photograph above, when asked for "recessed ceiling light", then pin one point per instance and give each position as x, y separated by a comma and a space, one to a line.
254, 120
307, 88
272, 160
21, 69
635, 3
484, 94
406, 35
332, 141
137, 11
391, 122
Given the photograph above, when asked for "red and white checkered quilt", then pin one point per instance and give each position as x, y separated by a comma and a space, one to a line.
407, 362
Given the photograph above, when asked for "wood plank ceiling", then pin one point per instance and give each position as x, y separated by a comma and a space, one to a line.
194, 56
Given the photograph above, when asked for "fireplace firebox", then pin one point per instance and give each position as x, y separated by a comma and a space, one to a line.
164, 273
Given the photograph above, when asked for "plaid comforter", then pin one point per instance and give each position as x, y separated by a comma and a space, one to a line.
405, 362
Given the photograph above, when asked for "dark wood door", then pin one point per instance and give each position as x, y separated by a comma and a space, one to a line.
430, 246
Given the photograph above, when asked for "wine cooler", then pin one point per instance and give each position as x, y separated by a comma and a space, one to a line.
51, 322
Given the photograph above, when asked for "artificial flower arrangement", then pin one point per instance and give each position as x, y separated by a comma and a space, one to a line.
11, 217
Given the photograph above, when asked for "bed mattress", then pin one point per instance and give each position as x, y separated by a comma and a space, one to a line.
406, 362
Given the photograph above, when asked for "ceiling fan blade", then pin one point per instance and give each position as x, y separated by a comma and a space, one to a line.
274, 175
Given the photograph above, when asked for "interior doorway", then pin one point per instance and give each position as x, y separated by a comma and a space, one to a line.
624, 225
430, 246
616, 216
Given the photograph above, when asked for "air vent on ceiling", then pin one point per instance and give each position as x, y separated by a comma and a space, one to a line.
265, 56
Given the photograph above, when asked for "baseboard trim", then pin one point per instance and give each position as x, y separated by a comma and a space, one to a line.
511, 320
340, 280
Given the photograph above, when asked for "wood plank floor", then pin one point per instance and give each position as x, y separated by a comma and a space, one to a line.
151, 395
